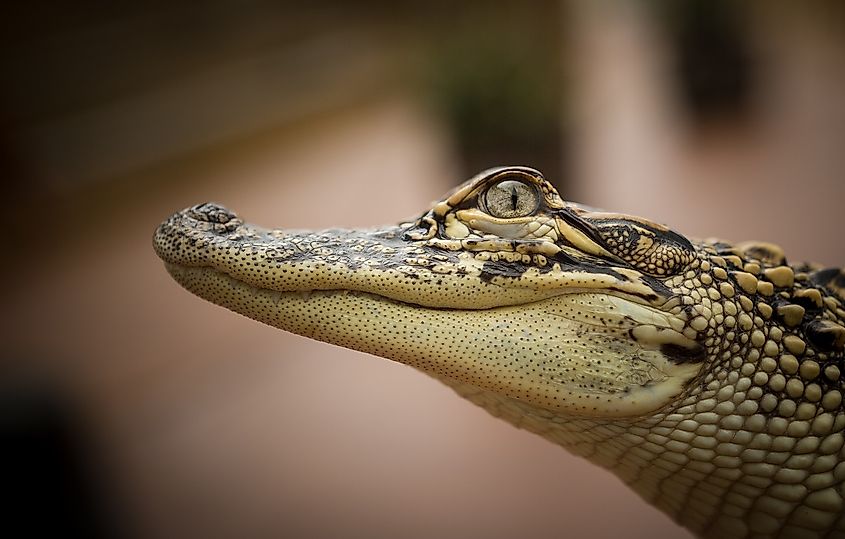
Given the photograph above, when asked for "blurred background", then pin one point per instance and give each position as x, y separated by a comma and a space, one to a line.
129, 408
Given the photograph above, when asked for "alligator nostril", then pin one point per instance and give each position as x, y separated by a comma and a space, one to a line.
211, 213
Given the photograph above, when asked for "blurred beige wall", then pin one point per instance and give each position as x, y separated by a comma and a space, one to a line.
778, 176
212, 425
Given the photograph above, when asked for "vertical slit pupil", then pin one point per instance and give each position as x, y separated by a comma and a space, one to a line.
514, 197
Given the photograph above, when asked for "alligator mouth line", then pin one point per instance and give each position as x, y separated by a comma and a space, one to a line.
183, 274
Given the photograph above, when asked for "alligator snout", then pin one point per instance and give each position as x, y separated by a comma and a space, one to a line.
210, 212
184, 236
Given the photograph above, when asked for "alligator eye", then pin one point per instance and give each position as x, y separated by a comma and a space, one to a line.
511, 198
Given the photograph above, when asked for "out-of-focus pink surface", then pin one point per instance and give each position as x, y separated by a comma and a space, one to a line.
776, 177
212, 425
207, 424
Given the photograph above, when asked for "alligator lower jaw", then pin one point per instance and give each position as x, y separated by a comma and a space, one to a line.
574, 354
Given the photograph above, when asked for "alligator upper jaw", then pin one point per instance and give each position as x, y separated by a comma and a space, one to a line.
568, 341
378, 262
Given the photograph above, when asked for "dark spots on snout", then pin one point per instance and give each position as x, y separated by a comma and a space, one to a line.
765, 253
824, 335
211, 213
825, 276
660, 289
516, 269
586, 265
723, 248
807, 303
831, 279
566, 260
209, 219
492, 269
681, 355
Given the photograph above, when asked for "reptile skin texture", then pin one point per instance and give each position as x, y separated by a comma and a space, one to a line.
706, 375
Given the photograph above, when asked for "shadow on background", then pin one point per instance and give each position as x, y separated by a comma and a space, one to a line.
718, 118
52, 477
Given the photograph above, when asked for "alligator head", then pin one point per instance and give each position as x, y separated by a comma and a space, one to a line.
663, 359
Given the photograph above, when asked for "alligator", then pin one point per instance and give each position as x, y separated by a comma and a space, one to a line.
706, 375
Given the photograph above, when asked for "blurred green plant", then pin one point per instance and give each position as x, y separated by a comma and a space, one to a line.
495, 76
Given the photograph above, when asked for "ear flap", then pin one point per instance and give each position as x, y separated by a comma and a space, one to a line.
648, 247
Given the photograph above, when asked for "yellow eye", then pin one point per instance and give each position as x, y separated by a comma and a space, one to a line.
510, 198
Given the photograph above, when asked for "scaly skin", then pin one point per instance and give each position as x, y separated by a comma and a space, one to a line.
707, 376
